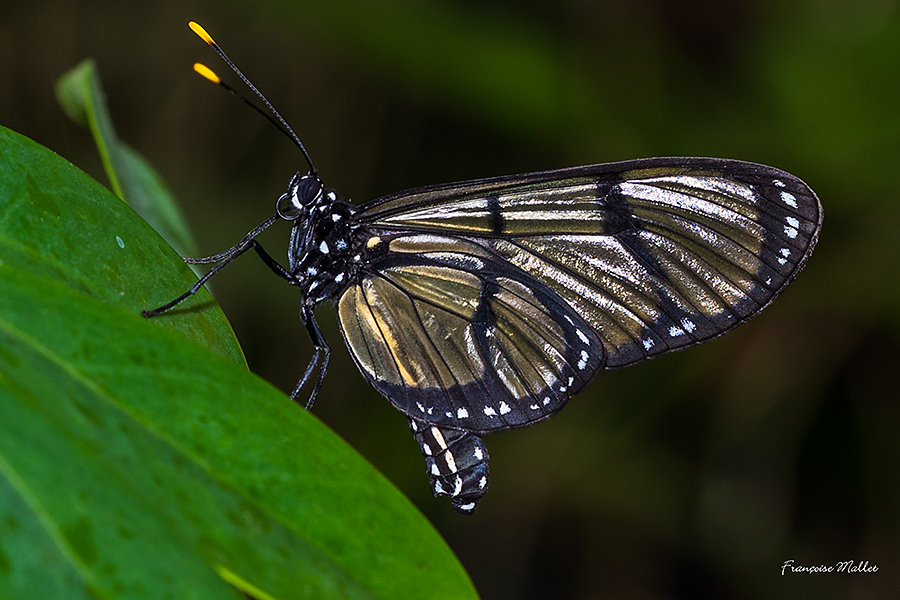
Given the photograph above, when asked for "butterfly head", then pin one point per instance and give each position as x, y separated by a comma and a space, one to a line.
303, 193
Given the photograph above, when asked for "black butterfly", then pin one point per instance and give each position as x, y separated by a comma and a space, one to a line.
486, 304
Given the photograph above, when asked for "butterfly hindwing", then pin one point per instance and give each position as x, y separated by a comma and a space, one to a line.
455, 336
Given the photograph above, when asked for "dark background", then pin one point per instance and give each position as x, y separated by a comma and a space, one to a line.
696, 475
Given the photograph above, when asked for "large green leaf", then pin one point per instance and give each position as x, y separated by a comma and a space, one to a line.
138, 463
80, 94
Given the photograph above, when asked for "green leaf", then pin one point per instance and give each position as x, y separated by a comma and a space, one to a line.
80, 94
137, 463
59, 223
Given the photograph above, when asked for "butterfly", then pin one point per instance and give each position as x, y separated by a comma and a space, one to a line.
485, 305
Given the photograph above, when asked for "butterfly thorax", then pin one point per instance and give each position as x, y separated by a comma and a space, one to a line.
321, 255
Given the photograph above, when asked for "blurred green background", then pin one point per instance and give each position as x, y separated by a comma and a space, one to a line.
693, 476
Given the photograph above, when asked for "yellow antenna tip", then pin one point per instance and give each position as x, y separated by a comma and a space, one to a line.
206, 72
201, 33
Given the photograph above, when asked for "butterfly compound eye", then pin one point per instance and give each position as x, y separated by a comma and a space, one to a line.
302, 194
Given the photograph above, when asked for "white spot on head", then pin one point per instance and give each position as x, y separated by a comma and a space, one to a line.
489, 411
323, 247
332, 196
461, 413
504, 408
789, 199
583, 337
467, 507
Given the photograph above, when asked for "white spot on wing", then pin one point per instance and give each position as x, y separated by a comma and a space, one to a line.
778, 182
457, 486
426, 449
323, 247
504, 408
790, 232
792, 222
688, 325
648, 343
789, 199
583, 337
489, 411
461, 413
583, 362
335, 217
675, 331
478, 454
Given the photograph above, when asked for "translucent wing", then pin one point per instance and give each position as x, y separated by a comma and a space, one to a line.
482, 300
454, 335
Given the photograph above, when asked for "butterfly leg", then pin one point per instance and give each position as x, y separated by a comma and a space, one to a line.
322, 353
457, 463
223, 258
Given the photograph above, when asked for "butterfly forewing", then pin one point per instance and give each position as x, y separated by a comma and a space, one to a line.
490, 302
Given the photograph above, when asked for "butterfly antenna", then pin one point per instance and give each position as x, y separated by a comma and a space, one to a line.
208, 73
